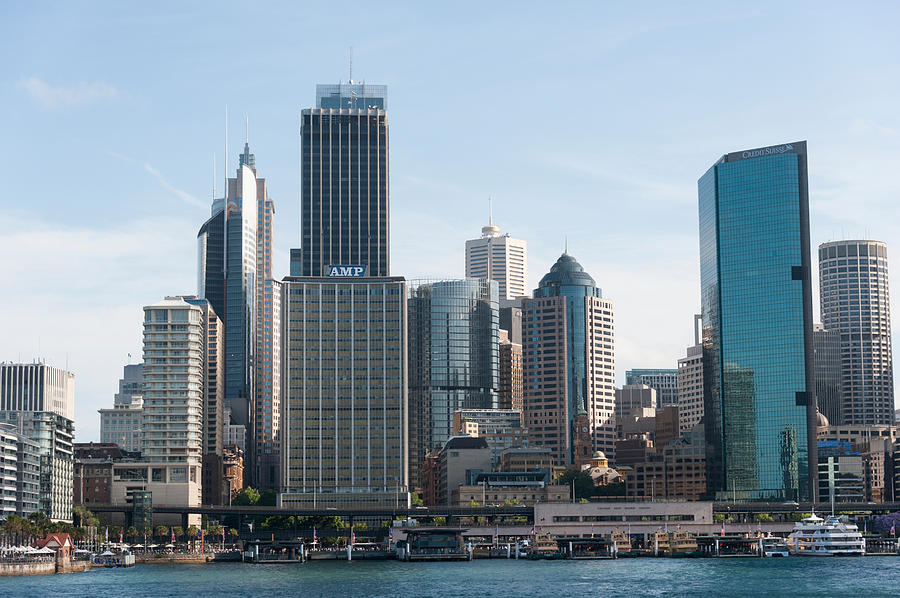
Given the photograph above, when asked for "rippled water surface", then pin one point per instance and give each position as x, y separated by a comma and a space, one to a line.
868, 576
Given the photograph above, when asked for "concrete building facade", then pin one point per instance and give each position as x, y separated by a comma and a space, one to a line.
501, 258
569, 361
855, 302
346, 396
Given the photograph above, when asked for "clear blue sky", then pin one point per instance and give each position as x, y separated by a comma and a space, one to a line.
587, 120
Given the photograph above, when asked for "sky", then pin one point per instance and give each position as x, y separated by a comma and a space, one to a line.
587, 122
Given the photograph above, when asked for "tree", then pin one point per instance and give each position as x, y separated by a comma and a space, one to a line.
162, 531
232, 532
247, 497
178, 531
416, 500
132, 533
83, 517
267, 498
763, 518
614, 489
584, 484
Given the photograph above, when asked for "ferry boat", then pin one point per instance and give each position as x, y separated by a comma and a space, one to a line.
659, 543
622, 542
814, 536
545, 547
773, 546
682, 544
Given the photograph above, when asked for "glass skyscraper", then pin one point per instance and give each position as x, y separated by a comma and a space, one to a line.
344, 180
454, 358
758, 363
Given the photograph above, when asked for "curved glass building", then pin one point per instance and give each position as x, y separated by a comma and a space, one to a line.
454, 359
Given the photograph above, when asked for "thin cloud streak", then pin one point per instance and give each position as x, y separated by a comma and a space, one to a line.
60, 96
184, 195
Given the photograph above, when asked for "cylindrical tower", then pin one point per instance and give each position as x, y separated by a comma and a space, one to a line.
853, 286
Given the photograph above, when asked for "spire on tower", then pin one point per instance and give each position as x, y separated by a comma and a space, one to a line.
490, 230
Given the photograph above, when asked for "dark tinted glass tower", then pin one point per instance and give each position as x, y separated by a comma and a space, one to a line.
344, 166
757, 325
211, 261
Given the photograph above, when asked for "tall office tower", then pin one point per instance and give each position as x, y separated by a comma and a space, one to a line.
121, 425
175, 383
827, 344
756, 294
267, 418
511, 388
690, 382
235, 276
499, 257
454, 359
39, 400
569, 361
344, 426
344, 177
664, 381
633, 397
853, 286
266, 374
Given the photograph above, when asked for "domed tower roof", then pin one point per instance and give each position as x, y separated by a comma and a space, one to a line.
821, 420
567, 271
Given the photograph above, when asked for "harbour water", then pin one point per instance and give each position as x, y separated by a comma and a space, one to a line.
751, 577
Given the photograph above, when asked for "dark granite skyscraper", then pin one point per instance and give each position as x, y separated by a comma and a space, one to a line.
758, 364
344, 166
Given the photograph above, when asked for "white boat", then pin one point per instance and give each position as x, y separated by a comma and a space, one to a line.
773, 546
814, 536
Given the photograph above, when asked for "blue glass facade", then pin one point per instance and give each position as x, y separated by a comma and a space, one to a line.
757, 325
454, 357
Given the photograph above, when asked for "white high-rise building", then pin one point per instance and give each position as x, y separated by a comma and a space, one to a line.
175, 383
499, 257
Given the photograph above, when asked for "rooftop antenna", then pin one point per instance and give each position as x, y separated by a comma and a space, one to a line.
491, 210
247, 129
214, 180
566, 251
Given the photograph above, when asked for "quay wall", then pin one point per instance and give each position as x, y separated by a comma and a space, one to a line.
10, 569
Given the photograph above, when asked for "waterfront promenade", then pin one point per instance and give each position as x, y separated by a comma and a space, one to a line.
747, 578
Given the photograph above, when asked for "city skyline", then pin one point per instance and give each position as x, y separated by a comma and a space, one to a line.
150, 197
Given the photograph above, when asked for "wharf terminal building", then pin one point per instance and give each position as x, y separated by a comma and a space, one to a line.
756, 295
